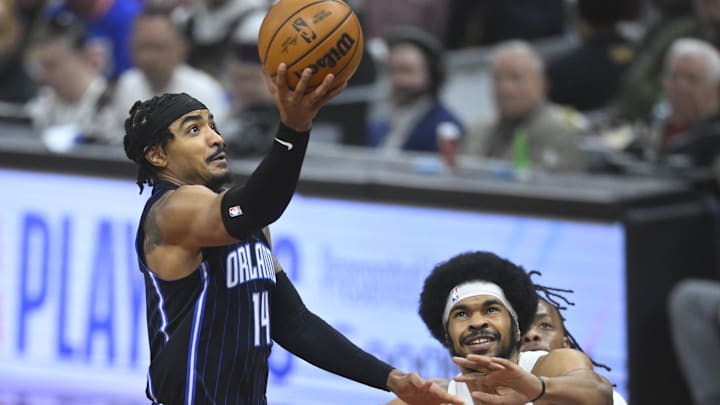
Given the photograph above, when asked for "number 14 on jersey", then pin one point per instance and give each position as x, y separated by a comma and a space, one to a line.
261, 313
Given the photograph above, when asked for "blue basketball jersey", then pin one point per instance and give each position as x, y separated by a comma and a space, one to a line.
209, 332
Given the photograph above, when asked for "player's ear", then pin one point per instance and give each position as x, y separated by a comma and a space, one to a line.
566, 342
156, 156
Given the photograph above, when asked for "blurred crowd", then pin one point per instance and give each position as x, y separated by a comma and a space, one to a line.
626, 87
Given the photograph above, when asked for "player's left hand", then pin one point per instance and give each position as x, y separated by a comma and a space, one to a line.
414, 390
299, 107
497, 380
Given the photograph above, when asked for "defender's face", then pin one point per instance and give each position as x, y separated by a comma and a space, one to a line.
546, 332
195, 154
482, 325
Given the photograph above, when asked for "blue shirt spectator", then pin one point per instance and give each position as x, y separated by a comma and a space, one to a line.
108, 24
417, 119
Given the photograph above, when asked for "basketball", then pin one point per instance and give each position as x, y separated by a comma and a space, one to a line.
323, 35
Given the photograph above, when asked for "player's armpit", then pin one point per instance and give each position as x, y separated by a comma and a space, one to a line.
278, 266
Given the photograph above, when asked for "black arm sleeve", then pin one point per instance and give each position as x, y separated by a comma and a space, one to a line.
305, 335
267, 192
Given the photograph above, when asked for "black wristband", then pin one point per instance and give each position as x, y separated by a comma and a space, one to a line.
267, 192
288, 138
542, 389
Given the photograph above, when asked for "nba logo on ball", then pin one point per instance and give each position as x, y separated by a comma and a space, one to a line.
323, 35
307, 34
235, 211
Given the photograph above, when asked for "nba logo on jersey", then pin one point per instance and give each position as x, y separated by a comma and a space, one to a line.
235, 211
454, 295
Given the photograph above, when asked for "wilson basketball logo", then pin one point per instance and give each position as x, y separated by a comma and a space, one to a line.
342, 48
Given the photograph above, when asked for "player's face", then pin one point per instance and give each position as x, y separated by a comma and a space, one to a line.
195, 154
546, 332
482, 325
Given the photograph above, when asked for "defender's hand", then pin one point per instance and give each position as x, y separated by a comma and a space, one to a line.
414, 390
497, 380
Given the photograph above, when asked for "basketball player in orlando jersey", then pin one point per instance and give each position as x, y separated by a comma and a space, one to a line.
216, 297
478, 305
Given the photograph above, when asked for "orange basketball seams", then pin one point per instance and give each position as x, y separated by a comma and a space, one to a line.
323, 35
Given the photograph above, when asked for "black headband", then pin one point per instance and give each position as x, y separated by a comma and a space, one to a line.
177, 106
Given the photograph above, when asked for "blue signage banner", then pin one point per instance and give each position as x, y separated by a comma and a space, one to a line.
72, 299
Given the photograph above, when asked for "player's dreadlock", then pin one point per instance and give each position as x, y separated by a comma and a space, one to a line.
137, 141
554, 296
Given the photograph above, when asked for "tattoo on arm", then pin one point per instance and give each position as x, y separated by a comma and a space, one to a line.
152, 230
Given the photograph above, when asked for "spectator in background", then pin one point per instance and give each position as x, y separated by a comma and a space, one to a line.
670, 9
107, 24
338, 121
465, 23
694, 310
417, 118
212, 25
254, 118
588, 75
72, 105
641, 87
159, 51
342, 115
30, 12
692, 86
16, 86
547, 132
379, 16
474, 23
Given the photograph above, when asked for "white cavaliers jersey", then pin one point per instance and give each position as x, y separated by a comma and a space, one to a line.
526, 361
